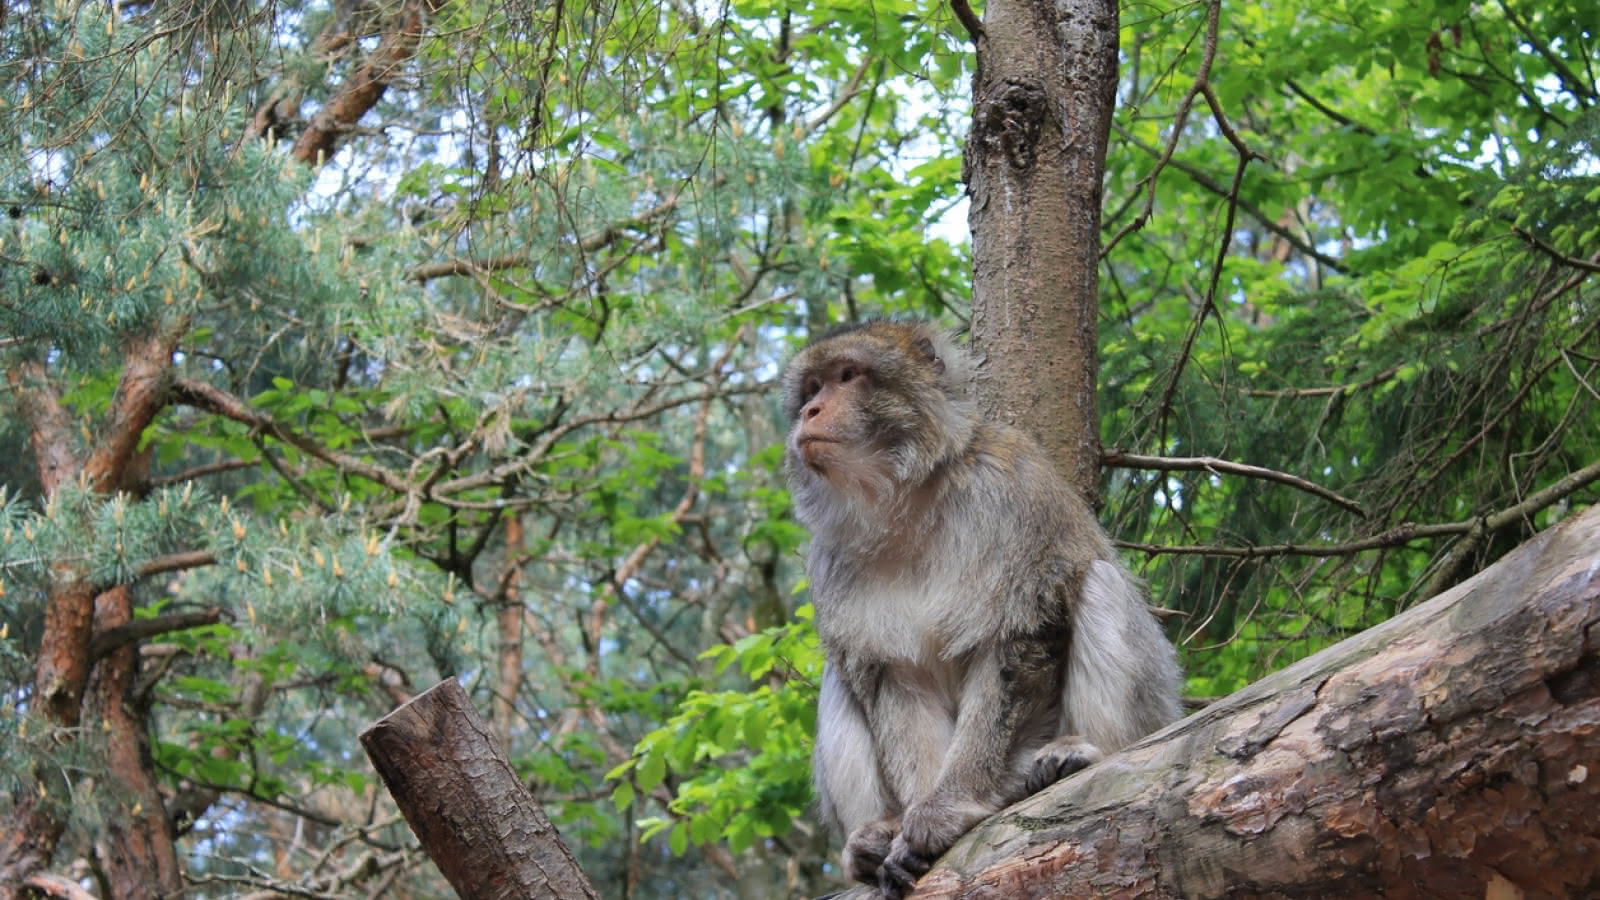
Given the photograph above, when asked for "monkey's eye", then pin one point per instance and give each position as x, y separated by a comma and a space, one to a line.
812, 388
846, 374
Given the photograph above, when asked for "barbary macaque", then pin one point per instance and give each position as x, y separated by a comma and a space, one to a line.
982, 639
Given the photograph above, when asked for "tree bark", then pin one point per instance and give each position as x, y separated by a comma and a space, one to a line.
1453, 751
477, 821
1042, 100
135, 850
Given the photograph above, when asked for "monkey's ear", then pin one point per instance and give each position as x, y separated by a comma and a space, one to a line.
925, 347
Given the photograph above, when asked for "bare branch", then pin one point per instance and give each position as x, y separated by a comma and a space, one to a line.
1394, 537
226, 465
365, 86
1123, 460
1148, 182
113, 639
969, 19
177, 562
1445, 570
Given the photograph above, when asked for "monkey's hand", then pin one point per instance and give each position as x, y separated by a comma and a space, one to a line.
926, 831
1060, 758
901, 869
866, 847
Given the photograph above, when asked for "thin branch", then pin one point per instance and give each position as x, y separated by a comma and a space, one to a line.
226, 465
1445, 571
113, 639
588, 244
177, 562
1328, 111
1574, 85
1213, 13
1330, 390
1394, 537
1200, 177
691, 493
1399, 535
213, 399
1591, 264
1212, 464
845, 96
969, 20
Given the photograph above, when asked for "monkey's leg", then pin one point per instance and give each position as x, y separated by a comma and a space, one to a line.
1011, 683
849, 784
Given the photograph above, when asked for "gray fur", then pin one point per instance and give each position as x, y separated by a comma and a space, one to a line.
982, 638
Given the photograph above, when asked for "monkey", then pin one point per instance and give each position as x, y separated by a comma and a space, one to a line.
981, 638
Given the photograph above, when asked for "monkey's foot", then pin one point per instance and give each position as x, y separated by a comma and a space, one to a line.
900, 871
866, 848
1060, 758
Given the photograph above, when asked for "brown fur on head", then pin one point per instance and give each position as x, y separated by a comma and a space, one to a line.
874, 409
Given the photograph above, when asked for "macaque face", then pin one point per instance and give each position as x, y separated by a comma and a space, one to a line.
827, 430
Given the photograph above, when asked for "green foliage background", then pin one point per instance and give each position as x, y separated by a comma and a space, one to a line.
550, 279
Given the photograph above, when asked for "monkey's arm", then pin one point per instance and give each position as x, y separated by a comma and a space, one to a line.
1011, 682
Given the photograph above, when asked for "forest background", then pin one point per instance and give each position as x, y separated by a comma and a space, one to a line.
352, 346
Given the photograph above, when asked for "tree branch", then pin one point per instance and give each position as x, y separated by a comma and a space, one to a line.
213, 399
1592, 264
146, 366
366, 86
177, 562
1123, 460
50, 431
969, 20
113, 639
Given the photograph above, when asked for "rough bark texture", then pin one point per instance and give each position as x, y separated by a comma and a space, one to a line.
1453, 751
476, 820
135, 850
1042, 97
366, 85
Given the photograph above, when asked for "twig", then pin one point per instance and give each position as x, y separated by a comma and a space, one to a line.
1213, 13
226, 465
1212, 464
1198, 176
1482, 527
177, 562
969, 19
1394, 537
1533, 240
1296, 393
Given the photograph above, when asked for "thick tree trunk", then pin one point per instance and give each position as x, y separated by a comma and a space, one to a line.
477, 821
1042, 101
1453, 751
